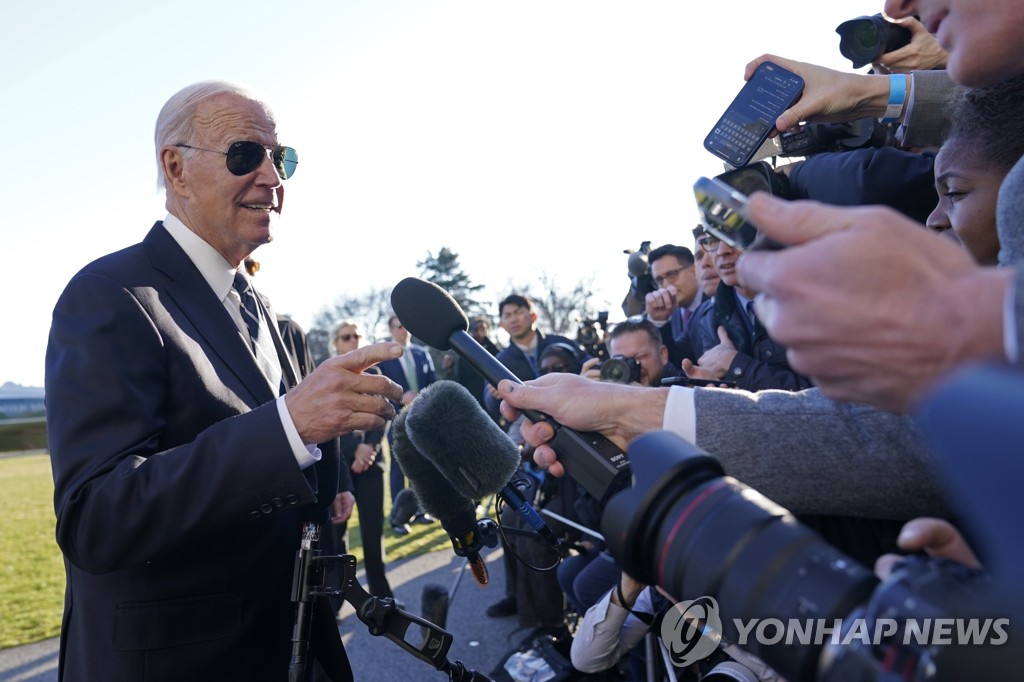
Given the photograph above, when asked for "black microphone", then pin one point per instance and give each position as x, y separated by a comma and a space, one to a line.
447, 426
437, 497
433, 316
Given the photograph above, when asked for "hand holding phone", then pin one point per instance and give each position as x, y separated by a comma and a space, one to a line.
751, 117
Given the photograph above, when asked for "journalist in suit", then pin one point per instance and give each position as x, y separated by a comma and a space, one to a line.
182, 469
416, 362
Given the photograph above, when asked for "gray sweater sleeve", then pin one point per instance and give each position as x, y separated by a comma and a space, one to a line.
813, 455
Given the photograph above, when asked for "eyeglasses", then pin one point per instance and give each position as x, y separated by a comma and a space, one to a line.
670, 275
557, 368
709, 244
347, 337
246, 156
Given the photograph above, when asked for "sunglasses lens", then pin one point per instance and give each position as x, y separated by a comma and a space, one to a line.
245, 157
285, 160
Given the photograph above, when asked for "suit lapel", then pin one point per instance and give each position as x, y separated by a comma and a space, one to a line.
190, 291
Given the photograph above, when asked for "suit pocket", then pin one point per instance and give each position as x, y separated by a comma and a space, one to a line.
140, 626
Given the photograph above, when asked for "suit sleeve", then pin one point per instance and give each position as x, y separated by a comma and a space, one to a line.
129, 452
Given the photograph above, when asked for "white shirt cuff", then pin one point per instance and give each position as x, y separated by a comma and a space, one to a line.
681, 413
305, 455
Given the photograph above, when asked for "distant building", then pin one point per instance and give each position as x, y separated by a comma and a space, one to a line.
21, 401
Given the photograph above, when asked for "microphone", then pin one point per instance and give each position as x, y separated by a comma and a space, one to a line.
448, 427
432, 315
455, 511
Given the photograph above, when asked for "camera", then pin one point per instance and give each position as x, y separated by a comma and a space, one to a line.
690, 529
865, 39
590, 335
820, 138
620, 370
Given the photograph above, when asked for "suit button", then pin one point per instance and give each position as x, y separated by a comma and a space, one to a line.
737, 371
255, 514
767, 353
291, 499
266, 508
277, 502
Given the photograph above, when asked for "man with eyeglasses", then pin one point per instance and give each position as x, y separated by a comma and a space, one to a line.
735, 345
671, 306
184, 443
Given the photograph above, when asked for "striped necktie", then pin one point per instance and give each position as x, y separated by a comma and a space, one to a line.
250, 311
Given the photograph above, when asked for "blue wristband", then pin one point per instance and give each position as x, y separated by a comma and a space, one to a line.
897, 97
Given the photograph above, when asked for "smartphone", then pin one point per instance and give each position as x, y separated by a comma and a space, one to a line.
723, 212
751, 117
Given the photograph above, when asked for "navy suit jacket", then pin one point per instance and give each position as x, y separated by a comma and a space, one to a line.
425, 374
178, 500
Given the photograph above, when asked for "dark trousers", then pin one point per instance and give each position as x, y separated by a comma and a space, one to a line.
368, 489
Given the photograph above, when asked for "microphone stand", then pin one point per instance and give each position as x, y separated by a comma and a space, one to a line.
381, 616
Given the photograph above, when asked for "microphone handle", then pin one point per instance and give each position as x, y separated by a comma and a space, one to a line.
526, 510
590, 459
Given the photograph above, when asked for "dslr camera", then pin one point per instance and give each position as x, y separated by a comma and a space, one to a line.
620, 370
690, 529
864, 39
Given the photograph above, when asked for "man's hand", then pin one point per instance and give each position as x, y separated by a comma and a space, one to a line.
937, 537
364, 457
717, 360
341, 508
591, 370
829, 96
871, 306
661, 304
617, 411
338, 398
922, 53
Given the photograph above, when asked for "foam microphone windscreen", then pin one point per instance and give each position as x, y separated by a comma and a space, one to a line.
447, 425
436, 495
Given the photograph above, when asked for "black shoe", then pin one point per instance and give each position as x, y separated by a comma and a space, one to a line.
400, 531
424, 518
506, 607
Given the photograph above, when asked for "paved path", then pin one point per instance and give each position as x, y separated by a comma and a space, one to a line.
480, 642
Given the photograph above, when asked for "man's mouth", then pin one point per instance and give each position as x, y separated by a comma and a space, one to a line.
263, 208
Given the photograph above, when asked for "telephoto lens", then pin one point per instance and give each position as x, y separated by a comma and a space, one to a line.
690, 529
864, 39
620, 370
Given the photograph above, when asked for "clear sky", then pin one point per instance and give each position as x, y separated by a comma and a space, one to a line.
529, 136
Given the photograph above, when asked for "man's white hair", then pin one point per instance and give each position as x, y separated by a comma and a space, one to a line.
174, 125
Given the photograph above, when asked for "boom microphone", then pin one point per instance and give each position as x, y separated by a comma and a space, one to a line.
432, 315
455, 511
447, 426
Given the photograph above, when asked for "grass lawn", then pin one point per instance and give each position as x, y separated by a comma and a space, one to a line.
32, 570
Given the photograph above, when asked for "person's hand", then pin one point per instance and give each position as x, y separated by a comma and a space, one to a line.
872, 307
660, 304
922, 53
338, 398
829, 96
341, 508
617, 411
717, 360
590, 369
937, 537
363, 458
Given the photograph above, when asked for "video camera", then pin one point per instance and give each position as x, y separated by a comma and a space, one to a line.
590, 335
690, 529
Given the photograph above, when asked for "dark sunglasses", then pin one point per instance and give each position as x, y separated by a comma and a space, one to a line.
246, 156
348, 337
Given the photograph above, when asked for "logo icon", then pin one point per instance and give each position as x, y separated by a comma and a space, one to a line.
692, 630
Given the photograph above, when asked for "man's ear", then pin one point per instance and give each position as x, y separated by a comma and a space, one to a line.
533, 316
173, 165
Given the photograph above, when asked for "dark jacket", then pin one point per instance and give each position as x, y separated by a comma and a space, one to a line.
760, 362
516, 361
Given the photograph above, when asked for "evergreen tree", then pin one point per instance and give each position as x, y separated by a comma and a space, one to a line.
444, 271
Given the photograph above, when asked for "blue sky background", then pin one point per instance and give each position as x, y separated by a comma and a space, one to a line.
530, 136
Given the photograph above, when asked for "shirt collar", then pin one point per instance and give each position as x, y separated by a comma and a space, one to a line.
217, 272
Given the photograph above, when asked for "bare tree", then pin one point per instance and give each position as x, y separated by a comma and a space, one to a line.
560, 310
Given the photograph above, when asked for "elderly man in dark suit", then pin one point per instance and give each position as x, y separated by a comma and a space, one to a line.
183, 443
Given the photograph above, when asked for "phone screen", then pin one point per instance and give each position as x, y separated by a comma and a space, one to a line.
747, 122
